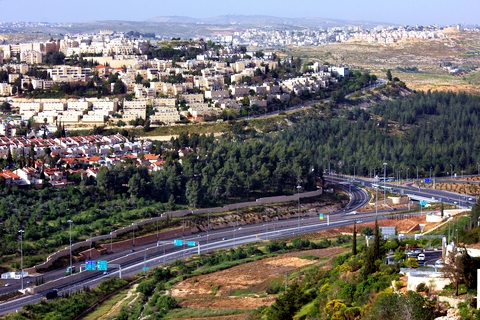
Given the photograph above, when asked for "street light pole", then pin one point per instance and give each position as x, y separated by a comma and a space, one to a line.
21, 255
298, 193
133, 235
451, 171
384, 183
407, 174
70, 223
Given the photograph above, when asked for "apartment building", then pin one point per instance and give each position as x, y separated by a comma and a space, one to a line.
134, 109
216, 94
31, 57
29, 106
192, 98
5, 89
164, 102
53, 106
165, 115
78, 105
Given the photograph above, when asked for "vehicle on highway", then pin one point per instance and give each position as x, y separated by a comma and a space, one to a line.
439, 263
470, 199
418, 250
7, 284
69, 272
421, 257
224, 238
52, 294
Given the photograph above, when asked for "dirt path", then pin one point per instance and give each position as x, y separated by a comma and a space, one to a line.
116, 308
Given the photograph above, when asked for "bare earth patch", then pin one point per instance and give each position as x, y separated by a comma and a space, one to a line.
243, 286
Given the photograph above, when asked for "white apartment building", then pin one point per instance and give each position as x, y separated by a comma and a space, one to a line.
165, 115
5, 89
105, 105
216, 94
134, 109
192, 98
94, 118
31, 57
164, 102
53, 106
78, 105
69, 118
29, 106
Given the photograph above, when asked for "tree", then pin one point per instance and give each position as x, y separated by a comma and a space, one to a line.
389, 75
119, 87
5, 107
453, 268
354, 244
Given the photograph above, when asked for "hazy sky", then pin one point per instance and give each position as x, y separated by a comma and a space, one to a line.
410, 12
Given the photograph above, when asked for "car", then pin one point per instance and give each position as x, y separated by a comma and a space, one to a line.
439, 263
105, 272
455, 202
421, 257
470, 199
28, 281
418, 250
359, 221
224, 238
131, 250
7, 284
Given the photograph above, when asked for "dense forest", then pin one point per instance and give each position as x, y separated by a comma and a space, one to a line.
428, 130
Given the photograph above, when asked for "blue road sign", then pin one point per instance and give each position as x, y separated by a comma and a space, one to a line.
177, 242
428, 180
423, 203
102, 265
90, 265
145, 269
191, 243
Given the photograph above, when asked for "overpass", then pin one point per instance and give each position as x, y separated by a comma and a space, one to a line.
415, 197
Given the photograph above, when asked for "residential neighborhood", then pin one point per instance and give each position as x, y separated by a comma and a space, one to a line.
219, 82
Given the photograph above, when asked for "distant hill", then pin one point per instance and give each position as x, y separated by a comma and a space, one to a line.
261, 20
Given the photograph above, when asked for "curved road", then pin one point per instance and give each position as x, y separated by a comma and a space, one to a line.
211, 240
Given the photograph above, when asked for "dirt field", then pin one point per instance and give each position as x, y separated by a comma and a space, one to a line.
244, 286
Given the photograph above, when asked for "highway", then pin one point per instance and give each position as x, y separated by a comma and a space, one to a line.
165, 251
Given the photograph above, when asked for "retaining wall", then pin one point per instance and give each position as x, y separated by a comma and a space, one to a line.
168, 234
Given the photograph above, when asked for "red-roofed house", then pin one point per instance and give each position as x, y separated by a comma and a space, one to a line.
102, 70
10, 177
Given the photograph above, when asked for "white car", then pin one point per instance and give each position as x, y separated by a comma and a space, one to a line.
421, 257
439, 263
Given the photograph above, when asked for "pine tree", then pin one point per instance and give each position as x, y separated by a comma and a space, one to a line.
354, 244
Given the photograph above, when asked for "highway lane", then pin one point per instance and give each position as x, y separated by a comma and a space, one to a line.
449, 197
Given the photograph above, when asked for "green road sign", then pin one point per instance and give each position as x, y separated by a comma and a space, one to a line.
102, 265
177, 242
191, 243
90, 265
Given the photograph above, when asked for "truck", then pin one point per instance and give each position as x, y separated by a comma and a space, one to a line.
52, 294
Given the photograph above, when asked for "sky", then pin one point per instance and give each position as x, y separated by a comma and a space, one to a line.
403, 12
